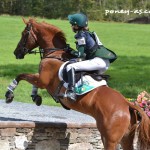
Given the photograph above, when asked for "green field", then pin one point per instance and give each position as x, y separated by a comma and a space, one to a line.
129, 73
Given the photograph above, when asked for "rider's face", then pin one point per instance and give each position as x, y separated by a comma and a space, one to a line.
74, 28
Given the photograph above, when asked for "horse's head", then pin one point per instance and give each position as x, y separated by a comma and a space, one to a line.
27, 42
35, 34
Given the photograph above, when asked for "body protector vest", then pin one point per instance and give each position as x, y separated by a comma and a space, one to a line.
102, 51
96, 38
89, 44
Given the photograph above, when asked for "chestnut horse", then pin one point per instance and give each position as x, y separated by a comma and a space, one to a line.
115, 117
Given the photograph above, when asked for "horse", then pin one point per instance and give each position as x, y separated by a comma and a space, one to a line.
116, 118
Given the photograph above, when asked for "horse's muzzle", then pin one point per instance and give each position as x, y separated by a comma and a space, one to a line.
19, 56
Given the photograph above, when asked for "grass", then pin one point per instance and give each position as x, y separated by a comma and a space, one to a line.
129, 73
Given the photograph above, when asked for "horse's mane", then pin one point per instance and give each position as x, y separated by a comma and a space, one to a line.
49, 27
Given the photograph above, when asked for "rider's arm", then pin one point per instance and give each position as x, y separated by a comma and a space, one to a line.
81, 47
81, 50
74, 53
71, 51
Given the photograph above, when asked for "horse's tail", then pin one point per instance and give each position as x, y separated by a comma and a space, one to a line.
143, 128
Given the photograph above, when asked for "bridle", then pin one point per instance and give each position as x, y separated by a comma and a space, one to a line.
25, 50
27, 34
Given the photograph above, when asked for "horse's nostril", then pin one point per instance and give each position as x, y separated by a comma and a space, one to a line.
19, 56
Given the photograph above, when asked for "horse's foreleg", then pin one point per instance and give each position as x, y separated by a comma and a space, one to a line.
31, 78
37, 99
9, 94
38, 80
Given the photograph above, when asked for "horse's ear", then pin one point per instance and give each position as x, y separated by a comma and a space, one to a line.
24, 20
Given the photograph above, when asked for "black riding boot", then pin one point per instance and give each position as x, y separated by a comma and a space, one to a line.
71, 86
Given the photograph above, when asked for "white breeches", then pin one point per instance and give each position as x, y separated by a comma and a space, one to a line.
96, 63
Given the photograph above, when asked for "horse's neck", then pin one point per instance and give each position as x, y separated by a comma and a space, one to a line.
59, 40
50, 39
45, 42
48, 46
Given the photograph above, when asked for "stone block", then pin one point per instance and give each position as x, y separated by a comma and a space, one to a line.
80, 146
21, 142
8, 131
48, 145
4, 144
73, 135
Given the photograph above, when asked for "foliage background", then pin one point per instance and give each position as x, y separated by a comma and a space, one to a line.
95, 9
129, 73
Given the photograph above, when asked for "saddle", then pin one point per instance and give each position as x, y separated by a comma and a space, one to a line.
85, 82
79, 74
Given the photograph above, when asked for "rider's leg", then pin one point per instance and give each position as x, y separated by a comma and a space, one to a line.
90, 65
71, 84
87, 65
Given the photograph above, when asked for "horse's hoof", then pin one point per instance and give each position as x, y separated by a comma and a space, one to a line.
37, 99
9, 97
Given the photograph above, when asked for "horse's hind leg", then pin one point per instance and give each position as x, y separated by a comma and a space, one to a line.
113, 130
127, 142
103, 141
108, 143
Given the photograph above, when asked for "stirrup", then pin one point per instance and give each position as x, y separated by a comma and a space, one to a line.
71, 95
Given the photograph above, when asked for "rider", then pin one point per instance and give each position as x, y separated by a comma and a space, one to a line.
89, 48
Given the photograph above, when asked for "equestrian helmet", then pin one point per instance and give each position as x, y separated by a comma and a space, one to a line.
79, 19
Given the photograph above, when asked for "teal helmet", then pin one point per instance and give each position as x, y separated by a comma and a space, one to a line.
79, 19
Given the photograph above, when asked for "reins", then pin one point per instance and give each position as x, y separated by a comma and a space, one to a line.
50, 51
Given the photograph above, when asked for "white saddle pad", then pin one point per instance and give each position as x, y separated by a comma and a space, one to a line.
84, 85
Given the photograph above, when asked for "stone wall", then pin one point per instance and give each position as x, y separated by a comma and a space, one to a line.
49, 136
